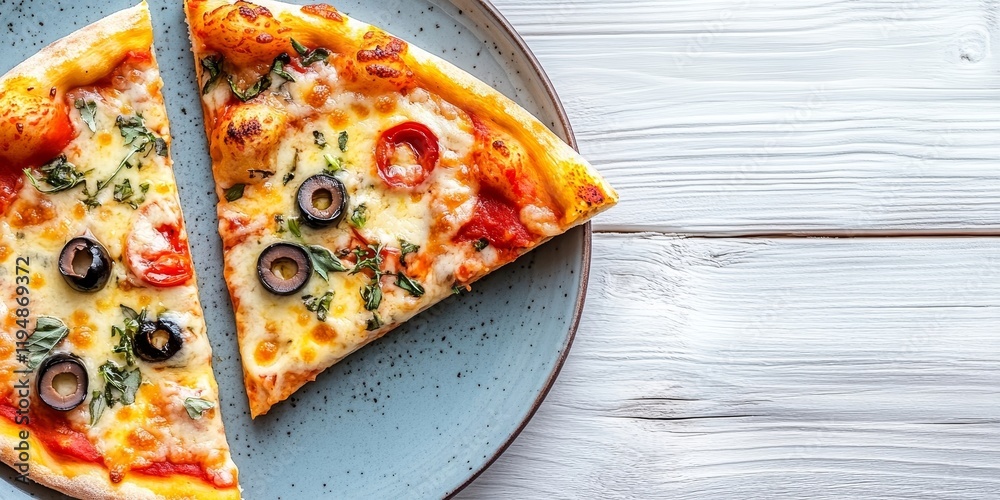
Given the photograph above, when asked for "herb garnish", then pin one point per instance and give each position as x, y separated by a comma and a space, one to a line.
333, 165
406, 283
236, 192
316, 55
120, 384
480, 244
324, 262
196, 407
126, 335
58, 173
372, 292
261, 85
48, 332
212, 64
134, 130
359, 216
291, 174
407, 248
97, 407
88, 111
293, 226
342, 141
124, 193
319, 139
319, 305
375, 323
278, 66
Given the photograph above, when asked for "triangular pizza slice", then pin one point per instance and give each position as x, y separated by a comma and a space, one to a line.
106, 384
361, 180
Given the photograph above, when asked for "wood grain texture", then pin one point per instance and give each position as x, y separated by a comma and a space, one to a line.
749, 368
732, 117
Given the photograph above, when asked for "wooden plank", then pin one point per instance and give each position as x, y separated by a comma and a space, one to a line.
730, 117
744, 368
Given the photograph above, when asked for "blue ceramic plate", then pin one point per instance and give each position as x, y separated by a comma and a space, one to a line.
426, 409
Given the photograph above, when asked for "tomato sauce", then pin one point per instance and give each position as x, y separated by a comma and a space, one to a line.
497, 221
55, 434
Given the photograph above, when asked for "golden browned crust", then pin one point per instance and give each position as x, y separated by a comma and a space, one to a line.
250, 35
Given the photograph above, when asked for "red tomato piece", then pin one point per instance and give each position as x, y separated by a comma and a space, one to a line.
421, 141
496, 221
156, 252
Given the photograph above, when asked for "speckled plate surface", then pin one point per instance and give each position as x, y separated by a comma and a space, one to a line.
423, 411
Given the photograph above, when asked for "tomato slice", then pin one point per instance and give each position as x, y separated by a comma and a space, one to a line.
421, 142
156, 251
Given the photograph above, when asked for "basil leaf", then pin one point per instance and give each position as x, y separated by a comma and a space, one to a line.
58, 173
372, 295
278, 66
97, 407
123, 191
359, 216
196, 407
301, 49
325, 262
129, 312
255, 90
317, 55
406, 283
88, 111
375, 323
123, 381
342, 141
48, 332
480, 244
319, 305
236, 192
319, 139
407, 248
212, 64
293, 226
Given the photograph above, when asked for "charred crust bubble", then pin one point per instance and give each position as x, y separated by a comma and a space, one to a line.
252, 13
245, 130
391, 52
324, 11
590, 194
380, 71
66, 365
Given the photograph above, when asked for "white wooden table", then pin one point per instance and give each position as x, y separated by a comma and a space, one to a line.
798, 294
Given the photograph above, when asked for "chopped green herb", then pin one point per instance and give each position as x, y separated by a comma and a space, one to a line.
480, 244
457, 289
236, 192
58, 173
126, 335
410, 285
88, 111
255, 90
319, 139
278, 66
372, 295
120, 384
333, 165
407, 248
318, 54
324, 262
291, 174
280, 221
372, 263
375, 323
123, 191
48, 332
196, 407
213, 65
359, 216
342, 141
319, 305
264, 174
293, 226
97, 407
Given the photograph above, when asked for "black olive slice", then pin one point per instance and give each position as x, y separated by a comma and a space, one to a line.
322, 201
85, 264
62, 382
284, 268
158, 340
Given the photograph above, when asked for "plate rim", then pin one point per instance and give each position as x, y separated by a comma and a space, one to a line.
585, 257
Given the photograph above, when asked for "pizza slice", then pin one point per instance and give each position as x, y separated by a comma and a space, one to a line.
106, 385
361, 180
